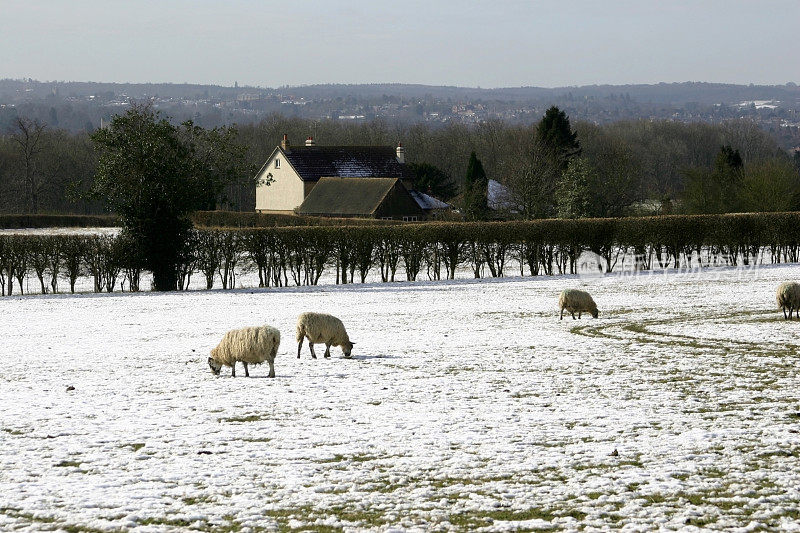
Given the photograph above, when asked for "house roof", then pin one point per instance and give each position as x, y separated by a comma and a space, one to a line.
498, 196
427, 202
346, 197
315, 162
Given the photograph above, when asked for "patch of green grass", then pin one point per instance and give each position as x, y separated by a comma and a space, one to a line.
194, 500
136, 446
475, 519
68, 463
549, 444
712, 473
338, 458
442, 483
164, 521
50, 522
613, 517
778, 453
363, 518
11, 431
655, 498
248, 418
700, 521
362, 458
255, 439
608, 466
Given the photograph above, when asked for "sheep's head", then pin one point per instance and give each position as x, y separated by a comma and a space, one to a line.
215, 366
347, 348
595, 312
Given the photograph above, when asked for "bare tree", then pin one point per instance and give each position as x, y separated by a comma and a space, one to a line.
28, 136
531, 177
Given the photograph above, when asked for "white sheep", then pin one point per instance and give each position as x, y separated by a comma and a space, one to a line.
322, 328
252, 345
788, 297
576, 301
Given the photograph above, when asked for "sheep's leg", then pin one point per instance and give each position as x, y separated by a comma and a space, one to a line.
311, 346
579, 314
299, 346
233, 370
573, 314
562, 314
246, 372
784, 312
327, 351
271, 369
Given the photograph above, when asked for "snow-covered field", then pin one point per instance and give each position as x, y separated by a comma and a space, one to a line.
468, 405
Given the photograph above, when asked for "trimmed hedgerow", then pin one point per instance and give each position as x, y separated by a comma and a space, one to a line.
238, 219
58, 221
299, 255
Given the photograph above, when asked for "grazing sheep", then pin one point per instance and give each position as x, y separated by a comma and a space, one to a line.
252, 345
788, 296
576, 301
322, 328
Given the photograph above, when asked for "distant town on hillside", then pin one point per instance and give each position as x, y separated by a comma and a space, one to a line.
85, 106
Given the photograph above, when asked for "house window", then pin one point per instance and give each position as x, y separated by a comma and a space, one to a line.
277, 163
386, 218
410, 219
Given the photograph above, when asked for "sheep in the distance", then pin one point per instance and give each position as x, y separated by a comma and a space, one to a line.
253, 345
788, 296
325, 329
576, 301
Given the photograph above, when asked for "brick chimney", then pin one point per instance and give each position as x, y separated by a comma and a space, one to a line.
285, 142
310, 141
401, 153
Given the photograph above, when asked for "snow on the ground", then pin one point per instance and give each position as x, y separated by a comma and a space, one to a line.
468, 405
59, 231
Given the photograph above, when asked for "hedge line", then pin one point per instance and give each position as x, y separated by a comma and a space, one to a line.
200, 219
299, 255
237, 219
58, 221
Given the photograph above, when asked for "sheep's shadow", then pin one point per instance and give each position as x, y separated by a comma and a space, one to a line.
367, 357
237, 376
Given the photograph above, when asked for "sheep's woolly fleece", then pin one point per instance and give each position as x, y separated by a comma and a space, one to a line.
321, 328
253, 344
469, 406
575, 301
787, 295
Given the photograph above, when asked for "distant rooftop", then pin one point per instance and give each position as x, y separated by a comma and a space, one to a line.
315, 162
427, 202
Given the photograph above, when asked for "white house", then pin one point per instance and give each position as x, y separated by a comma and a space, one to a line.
291, 172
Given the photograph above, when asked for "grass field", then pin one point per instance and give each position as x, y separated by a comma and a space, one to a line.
467, 406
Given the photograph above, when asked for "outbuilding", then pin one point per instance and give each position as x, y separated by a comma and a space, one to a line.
382, 198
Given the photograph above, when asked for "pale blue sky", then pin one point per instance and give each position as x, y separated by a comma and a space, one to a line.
449, 42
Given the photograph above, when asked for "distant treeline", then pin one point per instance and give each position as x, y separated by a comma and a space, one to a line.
663, 93
300, 255
45, 169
